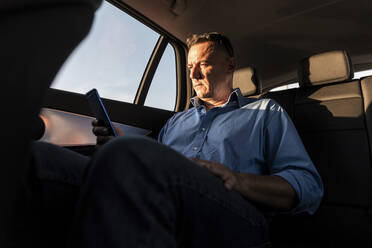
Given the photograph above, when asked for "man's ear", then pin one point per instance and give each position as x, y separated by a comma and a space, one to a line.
231, 64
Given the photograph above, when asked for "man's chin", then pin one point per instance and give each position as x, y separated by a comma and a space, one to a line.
202, 95
202, 92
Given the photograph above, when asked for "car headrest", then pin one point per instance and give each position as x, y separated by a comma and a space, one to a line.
247, 80
324, 68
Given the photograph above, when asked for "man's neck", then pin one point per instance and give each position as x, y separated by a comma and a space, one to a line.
210, 103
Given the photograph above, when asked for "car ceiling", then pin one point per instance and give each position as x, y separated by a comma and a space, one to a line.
271, 35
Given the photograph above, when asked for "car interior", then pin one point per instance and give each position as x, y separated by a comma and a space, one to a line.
318, 44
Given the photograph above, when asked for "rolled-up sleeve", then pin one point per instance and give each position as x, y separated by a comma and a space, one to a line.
288, 159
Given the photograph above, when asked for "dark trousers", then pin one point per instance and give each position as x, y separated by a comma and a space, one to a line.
136, 192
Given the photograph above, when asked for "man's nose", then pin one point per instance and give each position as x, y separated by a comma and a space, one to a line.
195, 73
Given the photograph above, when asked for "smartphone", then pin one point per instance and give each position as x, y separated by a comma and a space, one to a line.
99, 110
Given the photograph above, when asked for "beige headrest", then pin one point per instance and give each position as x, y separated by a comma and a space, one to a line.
323, 68
245, 79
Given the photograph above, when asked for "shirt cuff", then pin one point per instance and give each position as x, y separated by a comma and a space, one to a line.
308, 196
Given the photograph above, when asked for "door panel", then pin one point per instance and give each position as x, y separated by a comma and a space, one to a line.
67, 118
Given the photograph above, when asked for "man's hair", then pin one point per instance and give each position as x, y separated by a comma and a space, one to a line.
217, 38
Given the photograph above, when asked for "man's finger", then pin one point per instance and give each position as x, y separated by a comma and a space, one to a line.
94, 122
200, 162
216, 169
97, 123
100, 131
204, 164
229, 184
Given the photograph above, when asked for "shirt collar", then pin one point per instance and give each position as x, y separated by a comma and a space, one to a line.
235, 96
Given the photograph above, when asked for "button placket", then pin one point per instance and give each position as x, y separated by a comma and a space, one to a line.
206, 120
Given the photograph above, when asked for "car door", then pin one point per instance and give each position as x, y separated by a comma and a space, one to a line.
138, 70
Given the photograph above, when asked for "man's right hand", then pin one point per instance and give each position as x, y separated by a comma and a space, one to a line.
102, 132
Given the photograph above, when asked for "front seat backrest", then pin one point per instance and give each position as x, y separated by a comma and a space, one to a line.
36, 38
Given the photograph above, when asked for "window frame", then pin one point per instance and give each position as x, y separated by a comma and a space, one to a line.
150, 70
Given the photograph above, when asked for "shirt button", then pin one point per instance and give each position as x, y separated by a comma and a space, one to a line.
195, 148
203, 129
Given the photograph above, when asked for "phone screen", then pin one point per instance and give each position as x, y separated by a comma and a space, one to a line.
99, 110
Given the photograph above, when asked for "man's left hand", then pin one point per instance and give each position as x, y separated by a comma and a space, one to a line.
228, 177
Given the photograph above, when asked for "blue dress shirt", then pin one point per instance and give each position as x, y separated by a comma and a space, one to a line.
247, 135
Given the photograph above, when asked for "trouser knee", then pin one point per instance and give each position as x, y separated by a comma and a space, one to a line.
132, 154
56, 163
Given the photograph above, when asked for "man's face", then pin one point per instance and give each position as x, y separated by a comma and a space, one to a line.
210, 69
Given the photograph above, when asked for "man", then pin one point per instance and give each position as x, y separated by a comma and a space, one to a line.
222, 168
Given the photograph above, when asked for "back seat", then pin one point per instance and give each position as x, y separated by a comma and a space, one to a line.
333, 115
247, 81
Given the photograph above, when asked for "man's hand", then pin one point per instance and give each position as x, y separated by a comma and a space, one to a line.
267, 190
228, 177
102, 132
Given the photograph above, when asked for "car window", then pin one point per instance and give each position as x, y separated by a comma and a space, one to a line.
286, 87
361, 74
162, 92
112, 58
